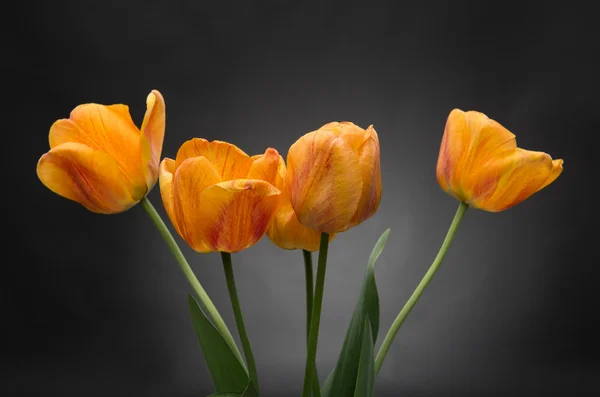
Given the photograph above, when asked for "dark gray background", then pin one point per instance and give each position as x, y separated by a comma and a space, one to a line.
96, 305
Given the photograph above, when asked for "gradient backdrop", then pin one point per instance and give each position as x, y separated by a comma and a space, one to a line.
96, 305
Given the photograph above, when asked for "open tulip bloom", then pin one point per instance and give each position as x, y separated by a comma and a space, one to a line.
220, 199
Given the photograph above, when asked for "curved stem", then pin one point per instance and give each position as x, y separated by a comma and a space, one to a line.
205, 301
239, 318
387, 342
308, 272
313, 335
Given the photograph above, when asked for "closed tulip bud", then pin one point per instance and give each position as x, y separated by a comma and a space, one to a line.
285, 230
100, 159
217, 197
480, 164
334, 177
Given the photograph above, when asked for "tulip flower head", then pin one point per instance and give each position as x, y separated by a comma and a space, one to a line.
217, 197
334, 178
480, 164
285, 230
100, 159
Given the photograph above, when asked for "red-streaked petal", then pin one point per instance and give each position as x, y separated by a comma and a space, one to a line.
369, 162
230, 161
106, 129
235, 214
513, 179
265, 166
324, 181
191, 178
87, 176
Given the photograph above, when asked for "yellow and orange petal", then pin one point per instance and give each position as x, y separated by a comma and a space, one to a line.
236, 213
152, 136
349, 132
285, 230
334, 176
166, 173
230, 161
265, 167
521, 174
87, 176
479, 163
191, 178
108, 133
218, 197
369, 163
108, 129
324, 180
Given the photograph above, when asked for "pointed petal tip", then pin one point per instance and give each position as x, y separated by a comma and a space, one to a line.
271, 152
557, 169
155, 93
457, 112
168, 165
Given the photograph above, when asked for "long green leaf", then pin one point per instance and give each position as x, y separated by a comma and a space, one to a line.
227, 372
249, 392
365, 381
342, 380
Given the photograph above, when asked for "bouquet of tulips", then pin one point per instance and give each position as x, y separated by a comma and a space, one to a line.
220, 199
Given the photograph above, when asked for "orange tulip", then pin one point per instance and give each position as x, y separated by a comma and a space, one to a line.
480, 164
334, 177
100, 159
285, 230
217, 197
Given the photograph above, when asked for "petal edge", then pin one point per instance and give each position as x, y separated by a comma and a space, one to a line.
87, 176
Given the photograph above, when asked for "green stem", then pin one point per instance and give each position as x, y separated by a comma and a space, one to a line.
308, 271
210, 308
313, 335
387, 342
239, 318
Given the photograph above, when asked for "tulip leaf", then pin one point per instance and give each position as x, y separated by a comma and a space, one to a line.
227, 372
343, 379
249, 392
365, 380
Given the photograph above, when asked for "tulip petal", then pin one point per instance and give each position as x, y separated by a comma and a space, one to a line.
153, 131
279, 177
191, 178
512, 179
557, 167
286, 231
470, 140
321, 177
349, 132
235, 214
108, 129
229, 160
265, 166
87, 176
369, 161
166, 174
